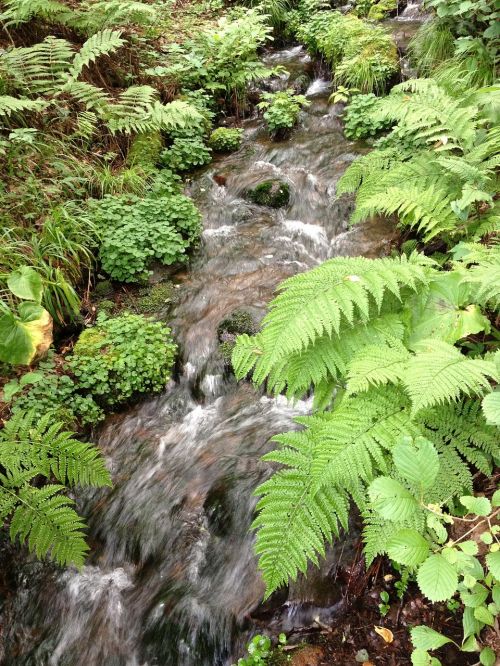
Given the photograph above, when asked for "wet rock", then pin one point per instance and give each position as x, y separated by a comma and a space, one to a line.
273, 193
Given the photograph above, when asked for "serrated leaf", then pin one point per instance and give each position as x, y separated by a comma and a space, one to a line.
471, 625
481, 506
418, 462
10, 389
428, 639
391, 499
476, 597
437, 578
408, 547
493, 562
495, 500
420, 657
491, 408
482, 614
468, 547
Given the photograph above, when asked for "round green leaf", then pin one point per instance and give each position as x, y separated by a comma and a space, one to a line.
468, 547
437, 578
26, 284
408, 547
487, 657
391, 499
495, 500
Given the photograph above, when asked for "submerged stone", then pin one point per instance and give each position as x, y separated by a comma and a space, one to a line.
273, 193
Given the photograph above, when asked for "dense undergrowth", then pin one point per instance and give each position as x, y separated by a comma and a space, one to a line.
105, 108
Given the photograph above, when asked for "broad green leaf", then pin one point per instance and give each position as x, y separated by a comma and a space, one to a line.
420, 657
21, 341
487, 657
493, 562
427, 639
482, 614
437, 527
491, 408
418, 462
31, 378
408, 547
447, 313
476, 597
495, 593
437, 578
481, 506
25, 283
471, 625
468, 547
10, 389
391, 499
470, 645
495, 500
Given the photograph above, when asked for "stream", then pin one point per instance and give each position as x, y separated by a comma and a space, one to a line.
172, 579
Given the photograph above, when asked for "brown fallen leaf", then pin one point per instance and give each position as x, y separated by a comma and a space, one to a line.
386, 634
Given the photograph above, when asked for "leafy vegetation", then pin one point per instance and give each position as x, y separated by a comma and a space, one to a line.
225, 139
281, 109
136, 230
111, 367
362, 56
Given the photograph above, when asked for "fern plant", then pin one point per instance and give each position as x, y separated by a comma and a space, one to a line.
378, 341
42, 516
50, 70
436, 169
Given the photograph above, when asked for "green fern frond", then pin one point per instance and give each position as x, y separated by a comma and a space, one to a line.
101, 43
38, 69
14, 105
22, 11
46, 521
86, 94
440, 373
27, 442
317, 303
428, 211
293, 525
376, 365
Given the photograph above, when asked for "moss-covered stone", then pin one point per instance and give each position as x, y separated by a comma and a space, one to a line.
273, 193
103, 289
237, 323
156, 298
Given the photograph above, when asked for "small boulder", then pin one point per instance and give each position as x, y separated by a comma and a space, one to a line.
273, 193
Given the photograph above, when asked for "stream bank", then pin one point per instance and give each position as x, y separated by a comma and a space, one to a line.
172, 579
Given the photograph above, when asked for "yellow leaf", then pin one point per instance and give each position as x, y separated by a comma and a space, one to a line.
386, 634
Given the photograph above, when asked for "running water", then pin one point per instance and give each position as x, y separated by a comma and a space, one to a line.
172, 579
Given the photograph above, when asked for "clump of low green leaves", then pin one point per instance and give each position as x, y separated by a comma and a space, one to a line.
359, 121
420, 537
135, 231
281, 110
185, 154
50, 390
121, 357
259, 650
225, 139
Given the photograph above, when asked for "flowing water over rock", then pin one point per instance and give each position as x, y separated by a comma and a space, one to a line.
172, 579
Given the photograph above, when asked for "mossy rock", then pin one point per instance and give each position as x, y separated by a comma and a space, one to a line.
153, 300
237, 323
273, 193
104, 289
